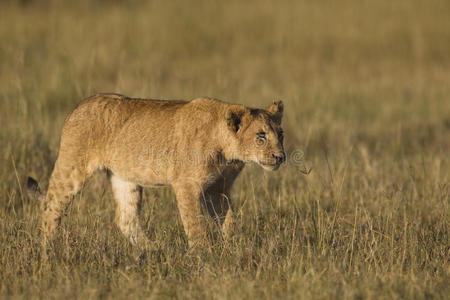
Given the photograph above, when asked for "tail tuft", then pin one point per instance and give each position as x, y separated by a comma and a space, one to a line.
34, 192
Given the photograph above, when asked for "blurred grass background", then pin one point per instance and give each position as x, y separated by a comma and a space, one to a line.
366, 86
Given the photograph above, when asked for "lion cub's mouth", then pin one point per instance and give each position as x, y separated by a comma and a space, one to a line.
269, 166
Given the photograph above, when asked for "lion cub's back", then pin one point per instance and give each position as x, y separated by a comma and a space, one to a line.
99, 118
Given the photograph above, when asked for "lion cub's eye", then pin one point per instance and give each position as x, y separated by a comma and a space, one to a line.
261, 134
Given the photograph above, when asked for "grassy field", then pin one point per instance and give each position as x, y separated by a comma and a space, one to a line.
366, 87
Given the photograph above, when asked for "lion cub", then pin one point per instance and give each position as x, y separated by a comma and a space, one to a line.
198, 147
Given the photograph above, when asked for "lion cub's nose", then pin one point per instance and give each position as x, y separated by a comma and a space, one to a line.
280, 158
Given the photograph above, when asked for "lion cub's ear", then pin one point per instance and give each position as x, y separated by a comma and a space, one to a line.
234, 117
276, 110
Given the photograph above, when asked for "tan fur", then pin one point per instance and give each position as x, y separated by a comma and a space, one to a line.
198, 147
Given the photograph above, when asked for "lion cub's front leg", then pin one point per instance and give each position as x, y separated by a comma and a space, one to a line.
188, 198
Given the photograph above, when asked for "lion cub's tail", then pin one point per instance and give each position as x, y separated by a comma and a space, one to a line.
33, 189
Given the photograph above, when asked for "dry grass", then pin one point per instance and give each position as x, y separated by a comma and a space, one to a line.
366, 89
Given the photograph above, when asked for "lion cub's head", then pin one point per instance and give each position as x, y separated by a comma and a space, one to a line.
257, 134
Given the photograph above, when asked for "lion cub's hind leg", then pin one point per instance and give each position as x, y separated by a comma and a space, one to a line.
65, 182
128, 202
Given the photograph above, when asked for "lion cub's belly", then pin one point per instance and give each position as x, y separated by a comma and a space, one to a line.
144, 173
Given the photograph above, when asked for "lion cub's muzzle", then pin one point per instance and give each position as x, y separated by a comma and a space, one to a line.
276, 160
279, 158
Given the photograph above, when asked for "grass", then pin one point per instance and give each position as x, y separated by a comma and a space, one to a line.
366, 90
